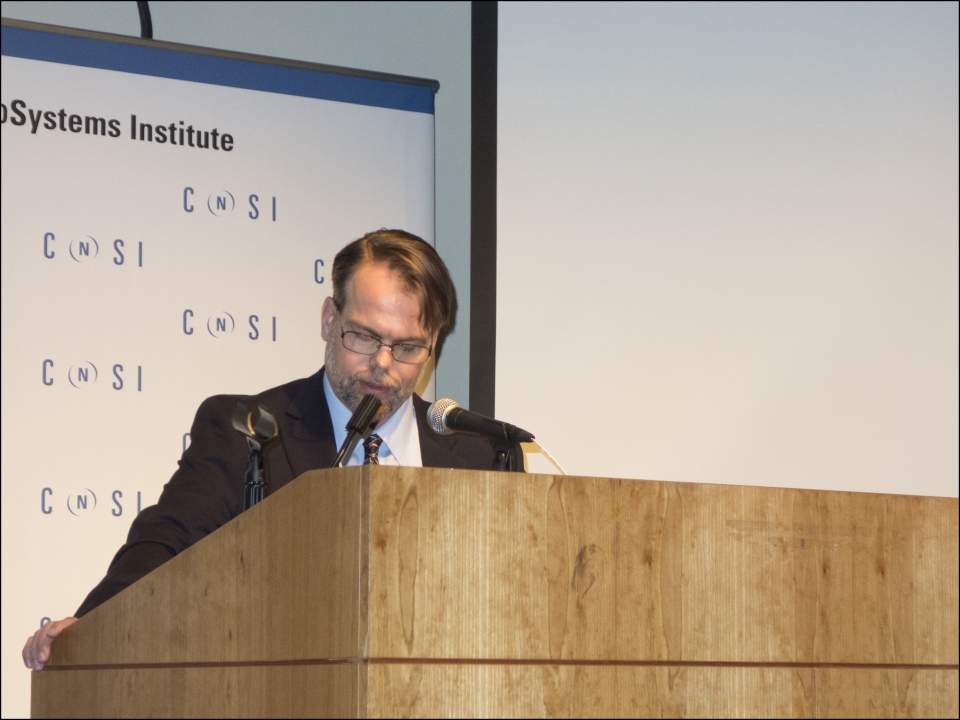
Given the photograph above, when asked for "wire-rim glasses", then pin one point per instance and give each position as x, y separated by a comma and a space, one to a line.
366, 344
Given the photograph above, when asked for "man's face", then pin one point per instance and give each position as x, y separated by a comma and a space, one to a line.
377, 304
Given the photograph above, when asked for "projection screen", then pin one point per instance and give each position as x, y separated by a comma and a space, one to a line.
727, 241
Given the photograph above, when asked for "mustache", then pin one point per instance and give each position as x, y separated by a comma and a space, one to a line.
377, 379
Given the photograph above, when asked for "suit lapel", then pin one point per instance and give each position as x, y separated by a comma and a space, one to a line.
310, 444
435, 450
306, 430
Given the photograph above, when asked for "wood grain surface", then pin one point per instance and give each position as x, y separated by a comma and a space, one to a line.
447, 592
248, 691
443, 690
879, 693
486, 565
279, 582
469, 690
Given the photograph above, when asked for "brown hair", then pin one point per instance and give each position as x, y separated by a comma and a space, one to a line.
421, 268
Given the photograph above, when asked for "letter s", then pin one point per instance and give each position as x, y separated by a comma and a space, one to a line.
17, 107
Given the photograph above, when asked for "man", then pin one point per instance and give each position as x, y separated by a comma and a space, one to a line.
392, 300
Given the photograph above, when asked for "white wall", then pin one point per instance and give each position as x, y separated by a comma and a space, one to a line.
429, 40
727, 241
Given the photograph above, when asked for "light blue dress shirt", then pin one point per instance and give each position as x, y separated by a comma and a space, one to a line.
400, 435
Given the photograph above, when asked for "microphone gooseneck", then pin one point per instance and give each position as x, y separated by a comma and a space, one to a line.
359, 422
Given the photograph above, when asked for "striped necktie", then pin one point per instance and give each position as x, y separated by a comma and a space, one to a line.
371, 446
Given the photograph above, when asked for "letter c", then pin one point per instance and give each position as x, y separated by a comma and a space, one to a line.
317, 277
47, 363
43, 501
187, 330
186, 203
47, 252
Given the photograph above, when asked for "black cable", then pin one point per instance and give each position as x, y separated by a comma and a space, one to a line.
146, 23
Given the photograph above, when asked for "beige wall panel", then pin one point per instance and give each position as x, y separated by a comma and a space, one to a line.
248, 691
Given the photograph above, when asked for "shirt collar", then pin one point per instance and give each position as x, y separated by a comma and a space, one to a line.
400, 435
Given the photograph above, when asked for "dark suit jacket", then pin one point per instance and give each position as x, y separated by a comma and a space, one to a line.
207, 489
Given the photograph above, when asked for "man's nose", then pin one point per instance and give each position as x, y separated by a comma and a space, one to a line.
383, 358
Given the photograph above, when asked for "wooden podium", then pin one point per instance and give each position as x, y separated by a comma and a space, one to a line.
378, 591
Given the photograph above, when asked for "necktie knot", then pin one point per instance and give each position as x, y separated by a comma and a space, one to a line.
371, 446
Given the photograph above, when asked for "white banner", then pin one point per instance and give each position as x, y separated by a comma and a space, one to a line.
169, 220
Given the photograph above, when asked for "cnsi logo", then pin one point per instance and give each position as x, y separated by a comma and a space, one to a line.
84, 375
222, 203
221, 324
83, 501
86, 249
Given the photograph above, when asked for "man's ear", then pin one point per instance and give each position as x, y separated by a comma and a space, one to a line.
327, 319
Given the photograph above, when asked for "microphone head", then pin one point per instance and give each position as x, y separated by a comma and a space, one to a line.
265, 426
364, 414
436, 414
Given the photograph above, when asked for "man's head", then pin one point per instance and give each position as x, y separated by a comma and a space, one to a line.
388, 287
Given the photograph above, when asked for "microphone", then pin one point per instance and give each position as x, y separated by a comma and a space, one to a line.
359, 422
259, 433
446, 416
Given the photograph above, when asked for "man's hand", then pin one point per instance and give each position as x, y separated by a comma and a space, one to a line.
37, 650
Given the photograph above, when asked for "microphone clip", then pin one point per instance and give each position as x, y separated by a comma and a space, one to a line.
501, 455
260, 433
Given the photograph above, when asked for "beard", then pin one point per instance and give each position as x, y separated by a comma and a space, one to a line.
348, 389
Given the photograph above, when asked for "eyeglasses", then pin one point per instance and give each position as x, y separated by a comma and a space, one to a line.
365, 344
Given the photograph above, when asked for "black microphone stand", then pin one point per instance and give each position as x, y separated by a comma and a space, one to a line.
259, 435
501, 454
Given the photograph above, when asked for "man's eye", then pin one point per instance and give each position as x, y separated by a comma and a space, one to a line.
363, 337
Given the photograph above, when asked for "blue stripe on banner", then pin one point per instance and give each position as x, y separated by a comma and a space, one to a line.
250, 75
